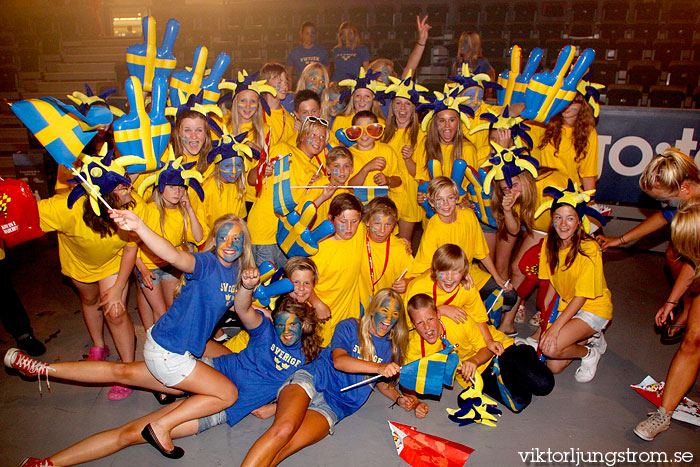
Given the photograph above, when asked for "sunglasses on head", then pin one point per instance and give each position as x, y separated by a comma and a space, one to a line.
375, 130
313, 119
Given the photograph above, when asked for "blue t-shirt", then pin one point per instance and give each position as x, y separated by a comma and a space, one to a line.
204, 298
330, 381
482, 66
348, 61
259, 370
300, 56
668, 212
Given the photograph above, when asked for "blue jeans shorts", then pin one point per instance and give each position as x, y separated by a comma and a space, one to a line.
167, 272
318, 404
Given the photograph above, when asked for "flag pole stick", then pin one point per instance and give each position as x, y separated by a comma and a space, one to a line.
92, 188
497, 297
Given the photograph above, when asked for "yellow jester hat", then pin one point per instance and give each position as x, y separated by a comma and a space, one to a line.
574, 198
449, 99
407, 88
365, 80
174, 173
245, 81
507, 163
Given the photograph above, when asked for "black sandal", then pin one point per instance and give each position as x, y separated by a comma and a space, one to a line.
163, 398
150, 437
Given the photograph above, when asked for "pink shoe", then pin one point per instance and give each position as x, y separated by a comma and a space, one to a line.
34, 462
98, 354
119, 392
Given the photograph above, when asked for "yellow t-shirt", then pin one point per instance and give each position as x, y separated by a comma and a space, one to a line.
171, 230
421, 158
84, 255
466, 335
397, 260
564, 160
392, 169
467, 300
584, 278
464, 232
251, 164
262, 220
409, 209
281, 125
217, 202
339, 263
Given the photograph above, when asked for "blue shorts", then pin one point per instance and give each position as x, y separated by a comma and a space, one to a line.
167, 272
318, 404
487, 229
271, 253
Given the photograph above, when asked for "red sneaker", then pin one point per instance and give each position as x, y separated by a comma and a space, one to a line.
15, 358
34, 462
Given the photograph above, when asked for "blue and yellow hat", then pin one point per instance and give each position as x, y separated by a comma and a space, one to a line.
449, 99
247, 82
507, 163
573, 197
175, 173
518, 129
407, 88
365, 80
103, 173
84, 101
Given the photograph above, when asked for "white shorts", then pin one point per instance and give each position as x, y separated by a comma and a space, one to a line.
167, 367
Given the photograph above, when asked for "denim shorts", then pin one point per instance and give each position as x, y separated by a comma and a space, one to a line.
211, 421
318, 404
594, 321
272, 253
487, 229
167, 272
167, 367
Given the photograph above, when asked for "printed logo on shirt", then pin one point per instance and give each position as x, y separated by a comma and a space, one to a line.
307, 60
229, 291
356, 352
347, 56
283, 360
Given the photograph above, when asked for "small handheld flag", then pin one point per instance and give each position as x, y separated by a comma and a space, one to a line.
283, 201
428, 374
424, 450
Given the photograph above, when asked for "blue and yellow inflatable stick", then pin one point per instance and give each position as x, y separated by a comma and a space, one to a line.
548, 94
146, 61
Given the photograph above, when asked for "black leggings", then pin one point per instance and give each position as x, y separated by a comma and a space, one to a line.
12, 314
523, 374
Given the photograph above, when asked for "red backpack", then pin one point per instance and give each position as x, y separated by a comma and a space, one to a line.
19, 213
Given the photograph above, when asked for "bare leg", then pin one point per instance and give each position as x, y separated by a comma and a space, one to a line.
504, 250
213, 392
145, 310
312, 430
92, 314
121, 327
129, 374
491, 243
686, 362
108, 442
292, 407
576, 330
517, 277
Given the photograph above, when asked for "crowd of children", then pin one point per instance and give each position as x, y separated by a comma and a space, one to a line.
416, 250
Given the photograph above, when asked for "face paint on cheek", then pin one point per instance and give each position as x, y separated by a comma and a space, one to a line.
335, 172
386, 317
440, 276
229, 242
288, 328
309, 140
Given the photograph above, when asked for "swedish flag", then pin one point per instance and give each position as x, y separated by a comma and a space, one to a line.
367, 194
146, 61
428, 374
60, 128
283, 201
294, 236
494, 303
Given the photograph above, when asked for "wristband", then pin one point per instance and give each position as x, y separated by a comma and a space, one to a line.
622, 240
251, 288
672, 303
422, 45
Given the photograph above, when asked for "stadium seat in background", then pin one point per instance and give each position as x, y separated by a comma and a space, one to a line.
666, 96
684, 73
605, 72
624, 94
667, 50
644, 72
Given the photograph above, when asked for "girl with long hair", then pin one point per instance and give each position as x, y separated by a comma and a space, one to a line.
290, 335
348, 55
311, 403
191, 140
572, 263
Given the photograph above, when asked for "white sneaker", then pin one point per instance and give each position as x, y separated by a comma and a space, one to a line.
589, 365
658, 422
598, 342
526, 341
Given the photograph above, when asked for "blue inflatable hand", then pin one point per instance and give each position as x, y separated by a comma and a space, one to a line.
549, 93
210, 84
139, 136
521, 79
146, 61
342, 137
294, 236
263, 293
186, 82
